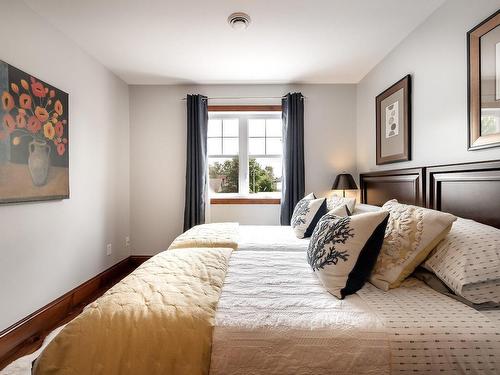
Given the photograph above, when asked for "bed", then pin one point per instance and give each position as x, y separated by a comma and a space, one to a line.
273, 316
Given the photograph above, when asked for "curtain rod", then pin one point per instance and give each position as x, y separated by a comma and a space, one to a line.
244, 97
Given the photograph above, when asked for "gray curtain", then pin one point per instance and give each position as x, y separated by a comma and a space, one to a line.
293, 184
196, 161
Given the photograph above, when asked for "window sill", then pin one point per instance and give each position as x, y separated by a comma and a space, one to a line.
244, 200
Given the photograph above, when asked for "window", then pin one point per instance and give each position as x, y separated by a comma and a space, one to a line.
245, 154
223, 150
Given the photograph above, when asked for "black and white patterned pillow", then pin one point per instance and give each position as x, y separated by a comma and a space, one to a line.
306, 214
343, 250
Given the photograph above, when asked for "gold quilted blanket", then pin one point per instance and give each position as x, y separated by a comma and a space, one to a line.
158, 320
208, 235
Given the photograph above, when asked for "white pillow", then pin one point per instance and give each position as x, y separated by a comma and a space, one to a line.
343, 250
310, 196
362, 208
411, 234
305, 216
341, 211
468, 261
336, 201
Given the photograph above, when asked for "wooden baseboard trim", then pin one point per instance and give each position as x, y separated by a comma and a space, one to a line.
27, 335
137, 260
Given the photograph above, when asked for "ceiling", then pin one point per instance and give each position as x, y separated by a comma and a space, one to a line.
288, 41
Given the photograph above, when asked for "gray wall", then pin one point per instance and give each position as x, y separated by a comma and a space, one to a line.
48, 248
157, 152
435, 54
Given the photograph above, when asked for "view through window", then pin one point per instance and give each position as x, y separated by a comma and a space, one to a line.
245, 153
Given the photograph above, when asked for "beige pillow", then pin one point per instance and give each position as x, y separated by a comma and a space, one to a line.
341, 211
336, 201
411, 234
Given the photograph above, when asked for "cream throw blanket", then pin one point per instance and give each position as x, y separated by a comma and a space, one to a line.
158, 320
208, 235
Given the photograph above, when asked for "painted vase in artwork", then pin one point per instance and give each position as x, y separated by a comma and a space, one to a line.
39, 161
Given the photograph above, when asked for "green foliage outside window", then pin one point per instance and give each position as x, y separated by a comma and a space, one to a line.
261, 179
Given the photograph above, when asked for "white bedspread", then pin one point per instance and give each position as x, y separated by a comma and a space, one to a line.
274, 317
270, 237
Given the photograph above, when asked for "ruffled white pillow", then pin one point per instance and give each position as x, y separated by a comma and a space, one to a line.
411, 234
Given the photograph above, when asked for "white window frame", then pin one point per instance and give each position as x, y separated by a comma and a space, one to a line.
243, 157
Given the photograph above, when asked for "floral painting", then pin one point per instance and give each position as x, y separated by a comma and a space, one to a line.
34, 140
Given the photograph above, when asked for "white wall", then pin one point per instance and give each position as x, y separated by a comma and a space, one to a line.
48, 248
435, 54
157, 153
253, 214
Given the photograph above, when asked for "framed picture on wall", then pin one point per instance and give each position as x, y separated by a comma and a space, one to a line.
483, 72
393, 122
34, 140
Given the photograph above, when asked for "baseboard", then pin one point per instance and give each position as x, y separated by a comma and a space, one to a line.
137, 260
30, 331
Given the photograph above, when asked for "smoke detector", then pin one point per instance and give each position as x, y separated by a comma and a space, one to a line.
239, 20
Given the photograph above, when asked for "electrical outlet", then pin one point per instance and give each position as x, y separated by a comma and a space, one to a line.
127, 241
109, 249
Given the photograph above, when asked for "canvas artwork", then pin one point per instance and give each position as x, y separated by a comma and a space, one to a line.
34, 140
392, 120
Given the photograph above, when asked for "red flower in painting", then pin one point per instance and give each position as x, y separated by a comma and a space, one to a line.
59, 129
48, 131
34, 125
37, 88
25, 101
58, 107
7, 101
9, 123
21, 120
31, 109
41, 114
61, 148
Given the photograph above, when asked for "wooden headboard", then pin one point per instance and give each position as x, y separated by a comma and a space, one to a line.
405, 185
470, 190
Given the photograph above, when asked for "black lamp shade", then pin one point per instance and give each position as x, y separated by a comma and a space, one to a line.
344, 181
